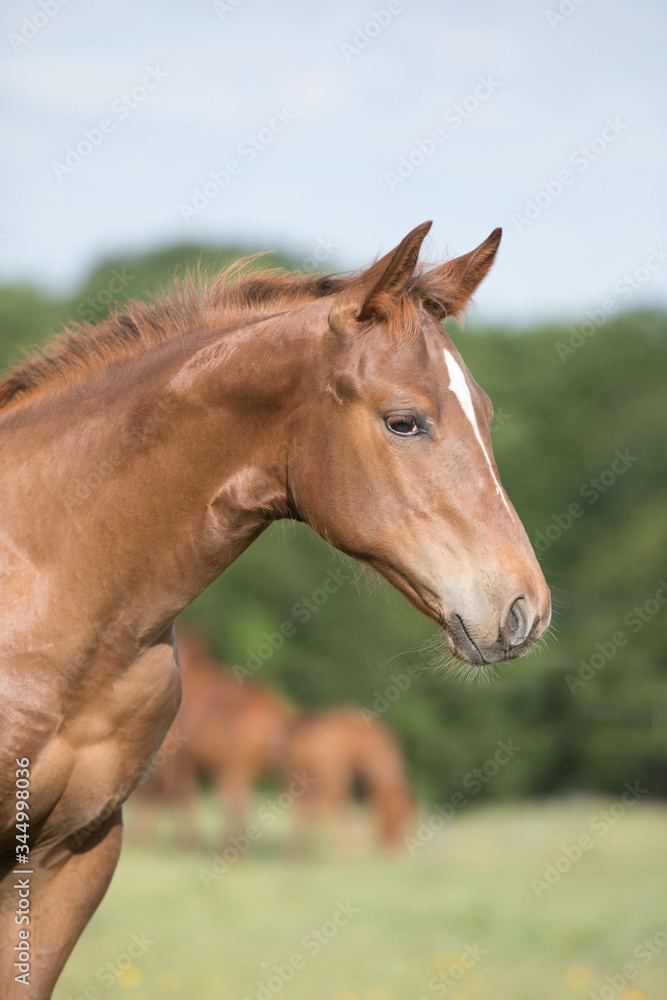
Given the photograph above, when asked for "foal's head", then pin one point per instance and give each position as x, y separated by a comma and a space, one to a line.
396, 466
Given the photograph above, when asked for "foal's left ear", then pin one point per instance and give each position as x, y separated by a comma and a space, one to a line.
447, 289
372, 293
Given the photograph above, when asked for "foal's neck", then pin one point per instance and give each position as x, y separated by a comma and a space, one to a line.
214, 450
166, 467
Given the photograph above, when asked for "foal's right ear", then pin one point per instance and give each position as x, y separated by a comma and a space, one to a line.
372, 294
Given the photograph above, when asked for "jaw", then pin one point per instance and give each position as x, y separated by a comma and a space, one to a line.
421, 597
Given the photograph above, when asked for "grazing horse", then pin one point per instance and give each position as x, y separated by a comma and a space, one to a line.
335, 748
226, 730
141, 457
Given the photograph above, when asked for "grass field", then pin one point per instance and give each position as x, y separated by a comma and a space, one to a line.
460, 918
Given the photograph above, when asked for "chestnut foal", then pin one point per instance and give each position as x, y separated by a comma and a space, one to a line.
139, 458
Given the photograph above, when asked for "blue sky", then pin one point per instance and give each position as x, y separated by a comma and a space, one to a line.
337, 127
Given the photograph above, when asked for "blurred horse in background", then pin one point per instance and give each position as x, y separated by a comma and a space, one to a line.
237, 732
338, 749
226, 730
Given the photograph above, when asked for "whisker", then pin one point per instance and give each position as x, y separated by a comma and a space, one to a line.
440, 659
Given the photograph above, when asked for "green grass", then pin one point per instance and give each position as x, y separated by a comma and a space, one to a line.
469, 887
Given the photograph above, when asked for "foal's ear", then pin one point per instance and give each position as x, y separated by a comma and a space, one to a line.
371, 294
446, 290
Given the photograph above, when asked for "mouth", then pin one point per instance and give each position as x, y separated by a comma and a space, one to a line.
461, 644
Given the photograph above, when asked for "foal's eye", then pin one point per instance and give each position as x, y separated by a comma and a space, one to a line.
403, 424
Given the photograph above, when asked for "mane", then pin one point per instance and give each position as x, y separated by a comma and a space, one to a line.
241, 293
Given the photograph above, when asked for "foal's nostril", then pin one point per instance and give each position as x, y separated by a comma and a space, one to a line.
518, 624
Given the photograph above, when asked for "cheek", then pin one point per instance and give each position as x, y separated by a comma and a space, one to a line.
366, 464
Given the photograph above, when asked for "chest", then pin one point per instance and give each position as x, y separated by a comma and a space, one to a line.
99, 740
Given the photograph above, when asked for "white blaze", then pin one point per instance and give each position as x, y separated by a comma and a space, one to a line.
459, 386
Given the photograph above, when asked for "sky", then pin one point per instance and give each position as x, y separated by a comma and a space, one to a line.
329, 130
